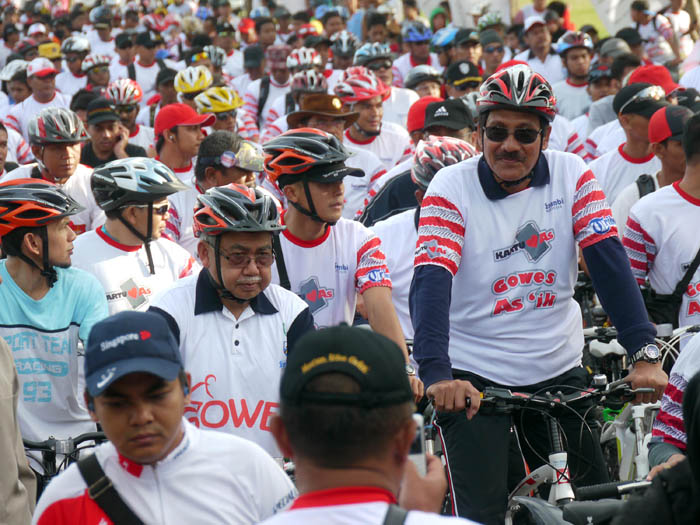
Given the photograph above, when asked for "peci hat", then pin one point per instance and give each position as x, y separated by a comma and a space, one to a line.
253, 56
631, 100
415, 121
451, 113
41, 67
466, 36
654, 74
668, 123
101, 110
174, 115
320, 104
126, 343
276, 56
148, 39
371, 359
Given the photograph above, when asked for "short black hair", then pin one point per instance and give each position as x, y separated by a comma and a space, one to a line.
337, 436
330, 14
410, 3
201, 40
691, 139
375, 19
640, 5
214, 145
558, 7
617, 69
12, 242
302, 16
261, 21
82, 98
20, 76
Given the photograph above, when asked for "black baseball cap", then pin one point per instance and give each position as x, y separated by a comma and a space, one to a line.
452, 113
253, 56
130, 342
668, 123
101, 110
465, 36
123, 40
490, 36
225, 27
165, 75
462, 72
148, 38
688, 97
630, 100
371, 359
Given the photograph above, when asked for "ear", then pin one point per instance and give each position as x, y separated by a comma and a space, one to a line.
38, 152
657, 149
210, 176
419, 196
188, 392
93, 416
545, 138
476, 139
203, 253
33, 244
279, 432
290, 193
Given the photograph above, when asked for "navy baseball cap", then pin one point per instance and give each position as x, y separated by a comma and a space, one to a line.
130, 342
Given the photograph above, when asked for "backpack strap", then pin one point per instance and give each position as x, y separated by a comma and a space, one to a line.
262, 99
102, 492
161, 64
279, 261
395, 515
683, 284
645, 185
131, 71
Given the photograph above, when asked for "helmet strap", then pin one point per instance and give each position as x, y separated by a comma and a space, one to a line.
311, 213
48, 271
146, 239
224, 292
365, 132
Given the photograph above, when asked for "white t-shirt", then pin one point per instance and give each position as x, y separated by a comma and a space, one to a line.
551, 69
397, 105
146, 77
17, 148
564, 138
580, 125
69, 84
656, 34
179, 226
142, 136
691, 79
117, 70
391, 146
329, 272
627, 198
251, 97
360, 190
399, 236
661, 239
573, 100
612, 139
598, 135
123, 271
100, 47
20, 114
615, 170
233, 66
144, 116
680, 22
405, 63
78, 187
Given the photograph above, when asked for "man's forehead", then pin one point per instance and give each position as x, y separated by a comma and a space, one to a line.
514, 118
250, 241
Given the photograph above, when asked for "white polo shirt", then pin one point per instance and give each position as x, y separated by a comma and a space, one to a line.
397, 105
69, 84
573, 100
360, 190
405, 63
142, 136
391, 146
615, 170
627, 198
236, 364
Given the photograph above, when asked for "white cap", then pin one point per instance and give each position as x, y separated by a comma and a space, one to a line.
36, 28
533, 21
40, 67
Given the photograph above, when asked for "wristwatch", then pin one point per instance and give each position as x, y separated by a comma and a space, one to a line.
410, 369
649, 353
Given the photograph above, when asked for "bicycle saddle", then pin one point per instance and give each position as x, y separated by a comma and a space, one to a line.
600, 512
599, 349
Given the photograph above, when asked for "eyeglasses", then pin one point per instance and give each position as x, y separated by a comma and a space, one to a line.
99, 69
225, 115
493, 49
468, 85
646, 94
72, 59
242, 260
376, 66
126, 109
126, 45
522, 135
160, 210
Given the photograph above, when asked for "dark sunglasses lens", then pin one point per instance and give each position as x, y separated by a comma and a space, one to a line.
128, 45
494, 49
526, 136
496, 134
190, 96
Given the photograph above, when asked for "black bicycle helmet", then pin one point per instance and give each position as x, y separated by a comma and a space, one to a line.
420, 74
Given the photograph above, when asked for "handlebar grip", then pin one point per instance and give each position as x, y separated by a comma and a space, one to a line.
608, 490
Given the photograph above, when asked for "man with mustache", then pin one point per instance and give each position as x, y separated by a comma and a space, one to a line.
492, 293
128, 254
233, 327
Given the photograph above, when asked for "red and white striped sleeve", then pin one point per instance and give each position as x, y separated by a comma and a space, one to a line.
591, 216
250, 106
13, 122
575, 146
24, 154
591, 149
668, 424
371, 265
640, 248
270, 131
173, 224
441, 231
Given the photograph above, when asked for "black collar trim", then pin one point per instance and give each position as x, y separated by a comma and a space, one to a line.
494, 191
207, 298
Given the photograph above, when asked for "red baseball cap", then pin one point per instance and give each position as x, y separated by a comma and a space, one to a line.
416, 114
654, 74
174, 115
668, 123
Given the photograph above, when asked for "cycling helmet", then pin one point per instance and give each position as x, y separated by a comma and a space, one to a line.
100, 15
517, 88
56, 125
11, 69
572, 40
32, 203
420, 74
444, 37
94, 60
193, 79
492, 18
434, 154
259, 11
26, 45
598, 72
359, 84
124, 92
216, 54
344, 44
75, 44
141, 180
218, 100
304, 58
309, 81
369, 52
306, 30
154, 22
306, 154
416, 32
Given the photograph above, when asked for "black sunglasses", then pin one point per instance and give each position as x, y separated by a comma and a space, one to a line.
126, 45
376, 66
522, 135
190, 96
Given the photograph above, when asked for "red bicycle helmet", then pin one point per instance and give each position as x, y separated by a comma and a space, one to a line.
359, 84
434, 154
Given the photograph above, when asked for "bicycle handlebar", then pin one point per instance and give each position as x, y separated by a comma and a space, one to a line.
609, 490
63, 446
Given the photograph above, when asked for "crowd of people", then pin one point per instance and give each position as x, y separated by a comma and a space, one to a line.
198, 200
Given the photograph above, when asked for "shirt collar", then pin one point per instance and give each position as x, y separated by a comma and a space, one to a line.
494, 191
531, 55
207, 298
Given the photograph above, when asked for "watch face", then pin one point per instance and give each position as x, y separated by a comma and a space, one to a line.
410, 369
652, 352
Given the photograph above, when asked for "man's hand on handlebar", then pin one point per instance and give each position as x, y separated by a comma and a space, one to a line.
416, 388
645, 374
450, 395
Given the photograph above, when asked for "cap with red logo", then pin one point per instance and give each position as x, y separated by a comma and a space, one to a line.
654, 74
130, 342
668, 123
174, 115
41, 67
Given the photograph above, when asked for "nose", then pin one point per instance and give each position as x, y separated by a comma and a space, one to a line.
510, 144
141, 414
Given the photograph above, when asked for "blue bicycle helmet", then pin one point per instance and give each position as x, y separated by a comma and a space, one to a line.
369, 52
444, 37
416, 32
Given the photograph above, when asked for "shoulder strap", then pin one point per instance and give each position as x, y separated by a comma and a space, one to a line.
131, 71
279, 261
264, 93
395, 515
36, 173
683, 284
161, 63
103, 493
153, 113
645, 185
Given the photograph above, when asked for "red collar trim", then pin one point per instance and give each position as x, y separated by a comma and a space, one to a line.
633, 160
179, 170
686, 196
135, 469
52, 98
106, 238
82, 75
584, 84
135, 132
305, 244
414, 63
143, 65
360, 142
343, 496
